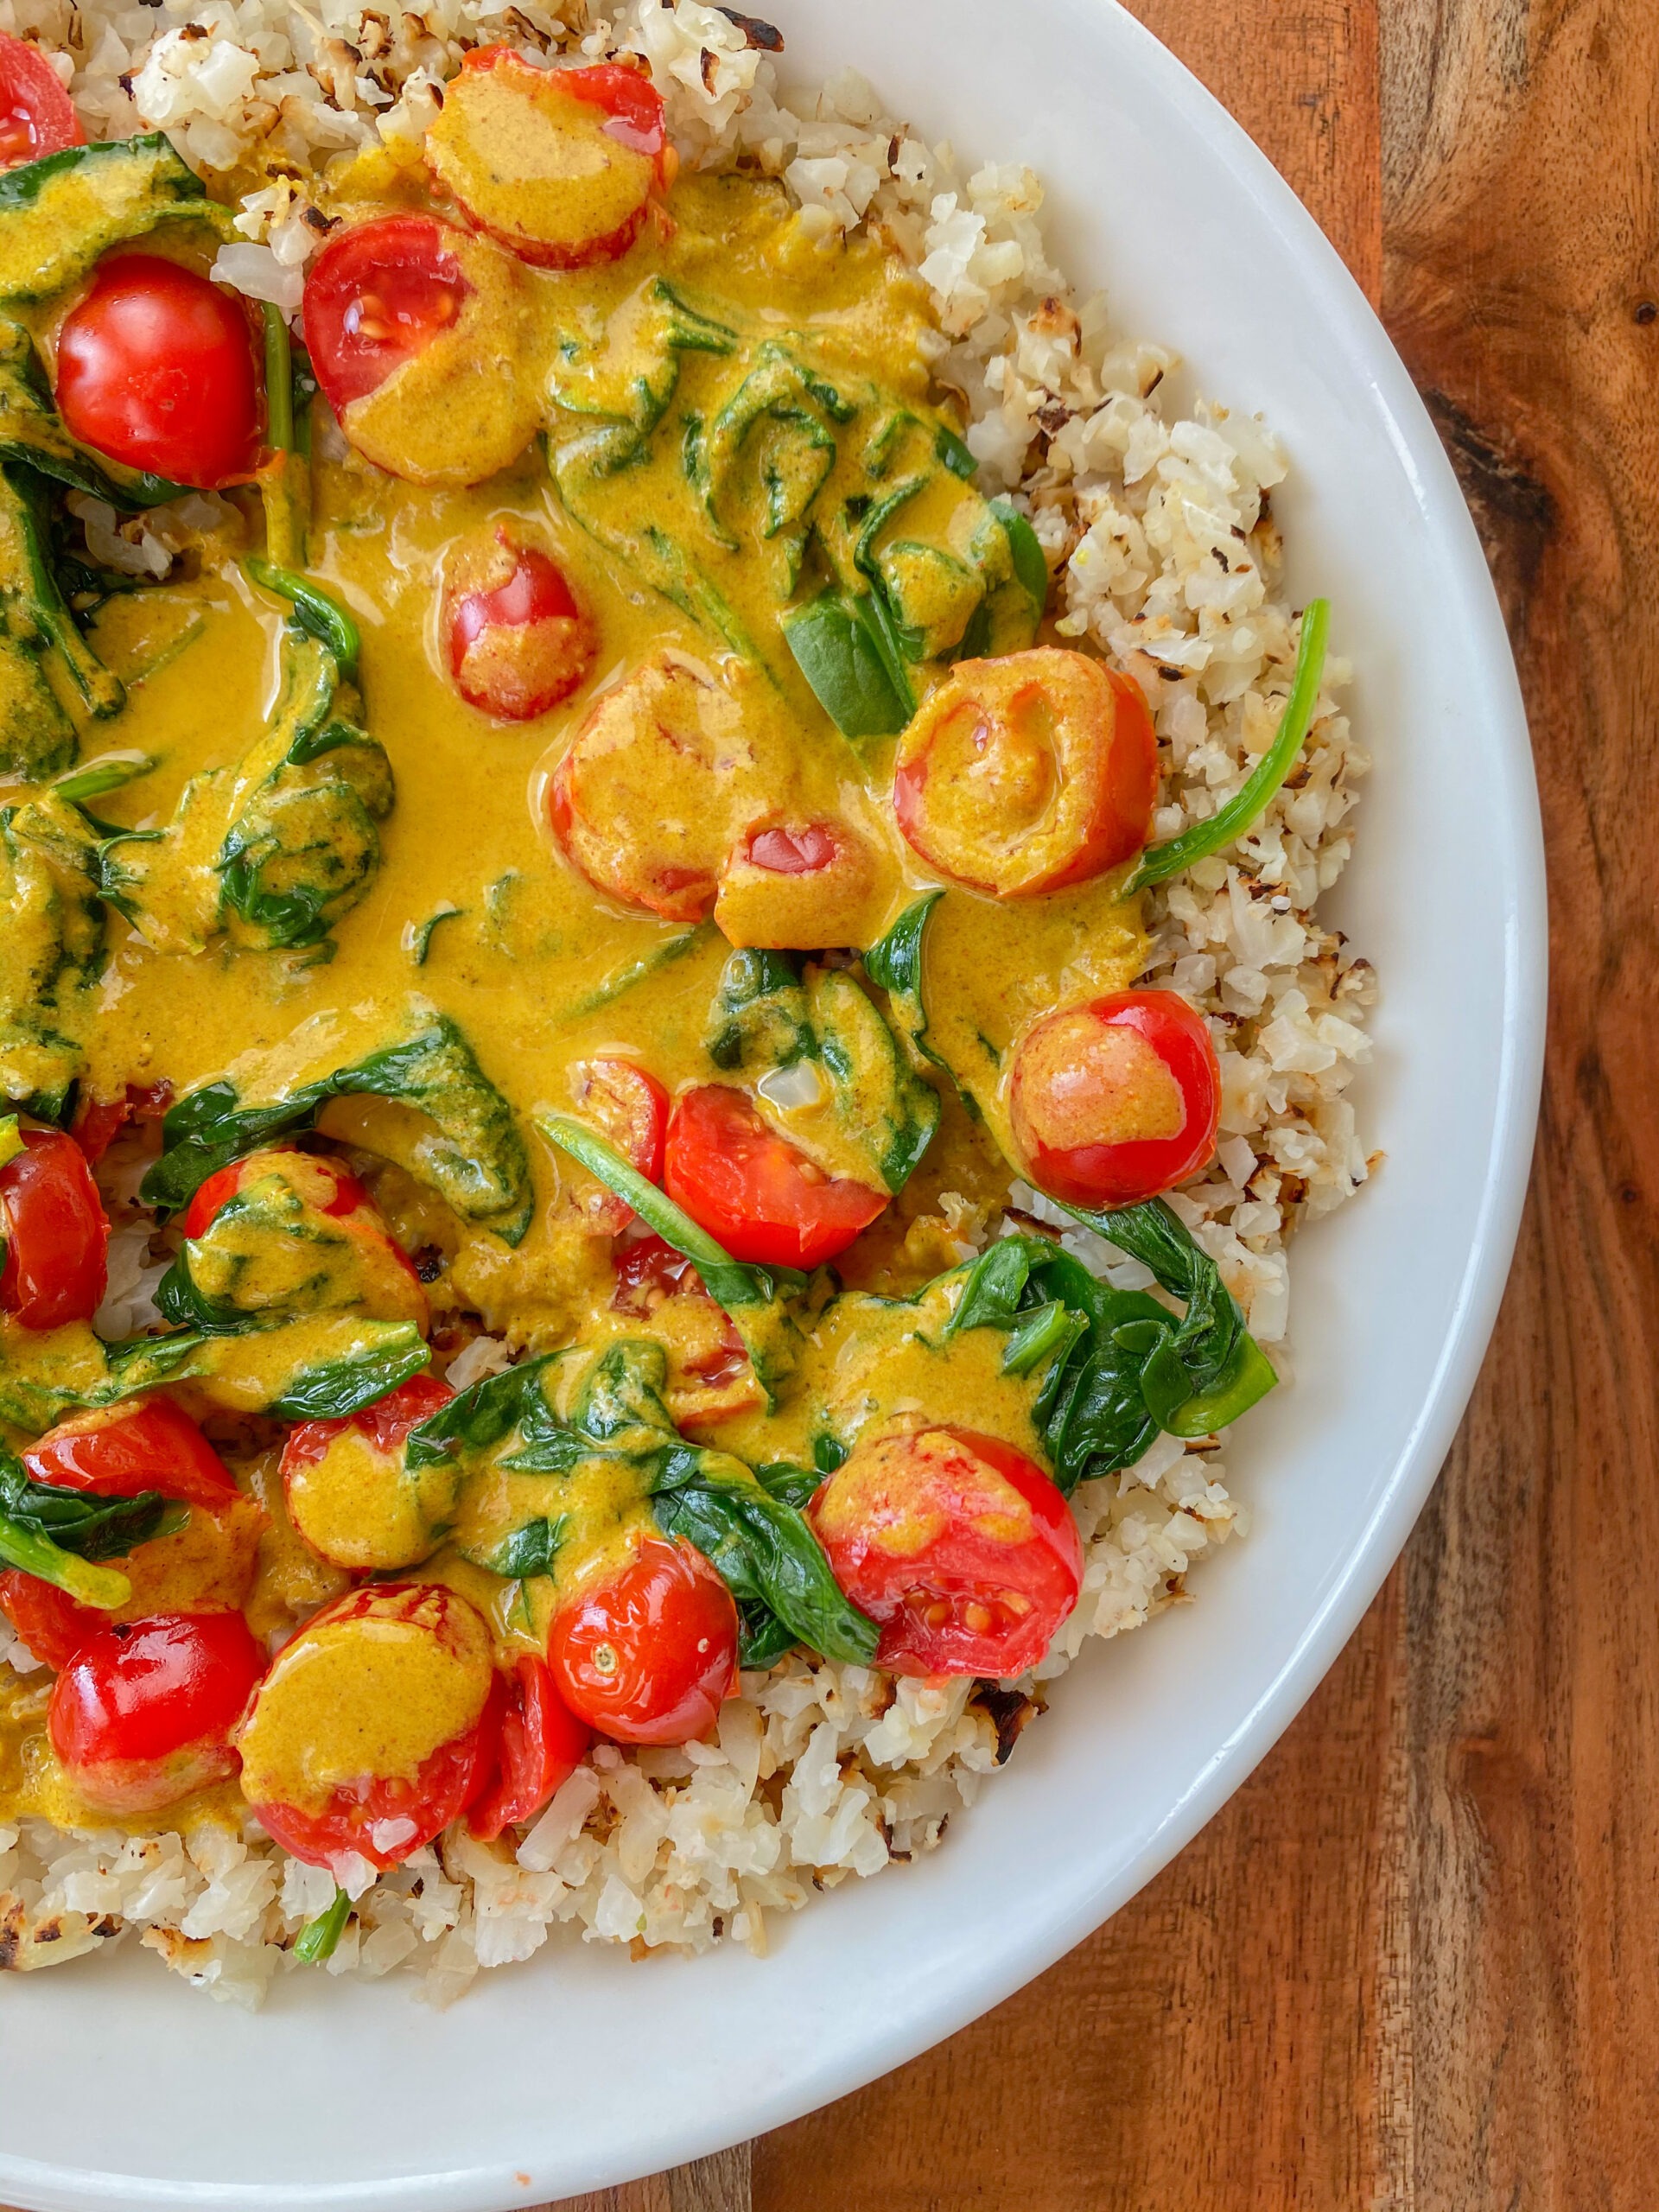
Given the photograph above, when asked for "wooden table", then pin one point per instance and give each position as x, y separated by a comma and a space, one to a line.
1413, 1966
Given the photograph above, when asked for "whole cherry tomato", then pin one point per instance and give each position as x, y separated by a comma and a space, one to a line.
647, 1651
377, 296
55, 1232
1027, 773
749, 1187
124, 1449
518, 637
958, 1545
542, 1744
559, 164
49, 1621
156, 369
396, 1671
624, 1102
37, 115
350, 1492
1116, 1099
142, 1716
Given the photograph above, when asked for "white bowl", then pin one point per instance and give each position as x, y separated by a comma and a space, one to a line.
123, 2088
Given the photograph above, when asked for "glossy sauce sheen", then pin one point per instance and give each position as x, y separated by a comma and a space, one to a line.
528, 943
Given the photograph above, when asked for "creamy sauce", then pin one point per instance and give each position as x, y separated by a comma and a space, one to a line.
540, 972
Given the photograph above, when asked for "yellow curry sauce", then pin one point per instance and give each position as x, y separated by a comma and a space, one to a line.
473, 911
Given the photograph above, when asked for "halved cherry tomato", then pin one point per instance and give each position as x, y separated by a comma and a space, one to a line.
377, 296
56, 1235
332, 1189
559, 164
1116, 1099
645, 800
958, 1545
307, 1184
49, 1621
761, 1196
629, 1106
419, 333
797, 885
518, 640
395, 1672
121, 1450
711, 1377
98, 1122
645, 1653
542, 1744
350, 1490
143, 1716
156, 369
1027, 773
37, 115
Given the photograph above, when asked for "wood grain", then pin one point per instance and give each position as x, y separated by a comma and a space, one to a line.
1523, 259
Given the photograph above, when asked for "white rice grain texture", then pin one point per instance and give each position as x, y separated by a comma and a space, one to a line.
1156, 520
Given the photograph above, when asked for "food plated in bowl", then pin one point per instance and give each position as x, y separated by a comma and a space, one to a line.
901, 993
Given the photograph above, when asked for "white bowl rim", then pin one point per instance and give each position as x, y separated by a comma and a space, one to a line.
1043, 1937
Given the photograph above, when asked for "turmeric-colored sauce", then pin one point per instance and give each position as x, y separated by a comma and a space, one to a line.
474, 911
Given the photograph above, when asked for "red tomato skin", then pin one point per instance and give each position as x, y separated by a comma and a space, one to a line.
49, 1621
752, 1189
98, 1122
444, 1785
959, 1568
386, 1423
648, 1653
37, 115
536, 596
650, 1270
156, 369
442, 1789
628, 1105
542, 1744
218, 1189
56, 1234
403, 265
635, 119
1126, 1173
1124, 790
143, 1444
143, 1716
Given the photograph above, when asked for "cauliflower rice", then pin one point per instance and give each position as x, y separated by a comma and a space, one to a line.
1160, 536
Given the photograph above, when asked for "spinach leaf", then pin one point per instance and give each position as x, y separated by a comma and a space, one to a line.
956, 453
895, 965
32, 432
843, 646
759, 1013
58, 215
91, 1527
317, 612
623, 979
752, 1296
770, 1560
1230, 823
1025, 547
479, 1418
530, 1549
323, 1383
476, 1160
320, 1938
46, 1373
1119, 1365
